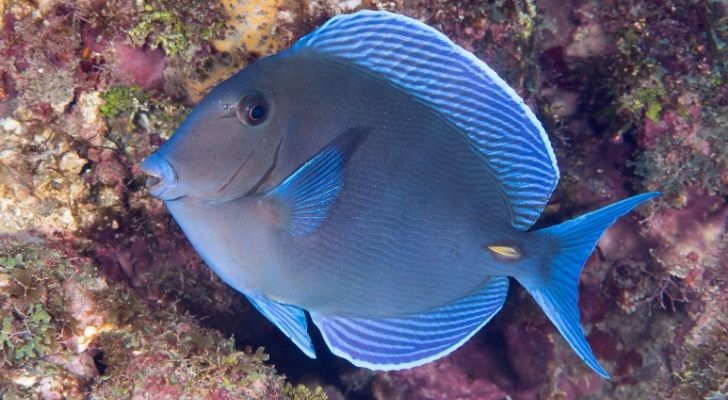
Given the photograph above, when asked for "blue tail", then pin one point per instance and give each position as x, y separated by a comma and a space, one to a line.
556, 288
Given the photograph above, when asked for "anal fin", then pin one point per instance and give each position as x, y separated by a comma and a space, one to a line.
392, 343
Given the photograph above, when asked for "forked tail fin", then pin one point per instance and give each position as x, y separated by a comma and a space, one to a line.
556, 289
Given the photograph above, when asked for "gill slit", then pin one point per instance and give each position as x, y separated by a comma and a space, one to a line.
257, 185
235, 174
269, 172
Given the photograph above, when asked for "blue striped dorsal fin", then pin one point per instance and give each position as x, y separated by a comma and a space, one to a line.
411, 340
462, 88
290, 320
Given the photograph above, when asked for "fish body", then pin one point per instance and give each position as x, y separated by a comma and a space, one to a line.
384, 180
396, 256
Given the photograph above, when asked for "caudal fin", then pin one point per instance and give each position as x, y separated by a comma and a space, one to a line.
556, 290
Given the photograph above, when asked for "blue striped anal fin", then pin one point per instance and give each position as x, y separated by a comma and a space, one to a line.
463, 89
290, 320
412, 340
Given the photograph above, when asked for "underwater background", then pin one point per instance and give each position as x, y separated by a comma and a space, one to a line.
102, 297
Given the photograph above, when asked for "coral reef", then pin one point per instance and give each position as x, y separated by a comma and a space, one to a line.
633, 95
67, 332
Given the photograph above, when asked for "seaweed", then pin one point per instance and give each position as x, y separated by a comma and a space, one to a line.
175, 26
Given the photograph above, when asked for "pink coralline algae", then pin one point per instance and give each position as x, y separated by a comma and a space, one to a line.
449, 378
145, 67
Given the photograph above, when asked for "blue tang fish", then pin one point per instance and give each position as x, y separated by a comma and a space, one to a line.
383, 179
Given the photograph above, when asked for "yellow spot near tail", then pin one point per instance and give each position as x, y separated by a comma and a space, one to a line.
508, 252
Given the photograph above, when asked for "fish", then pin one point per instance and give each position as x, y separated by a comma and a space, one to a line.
384, 180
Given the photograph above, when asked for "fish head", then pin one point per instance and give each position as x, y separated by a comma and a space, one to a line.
228, 144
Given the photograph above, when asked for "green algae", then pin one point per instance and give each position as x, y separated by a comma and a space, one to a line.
173, 39
121, 100
175, 27
647, 99
525, 11
671, 96
704, 367
36, 338
27, 327
301, 392
674, 164
132, 114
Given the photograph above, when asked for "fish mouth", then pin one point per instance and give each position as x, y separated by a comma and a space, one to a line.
160, 176
153, 182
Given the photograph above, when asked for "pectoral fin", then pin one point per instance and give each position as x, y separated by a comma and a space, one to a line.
305, 197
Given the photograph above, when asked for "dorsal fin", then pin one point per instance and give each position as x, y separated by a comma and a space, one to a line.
462, 88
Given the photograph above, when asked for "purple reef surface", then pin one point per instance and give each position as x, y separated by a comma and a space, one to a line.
102, 296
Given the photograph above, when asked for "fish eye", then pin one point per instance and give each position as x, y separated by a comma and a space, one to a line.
252, 110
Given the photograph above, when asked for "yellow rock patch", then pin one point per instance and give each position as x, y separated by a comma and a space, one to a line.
248, 29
